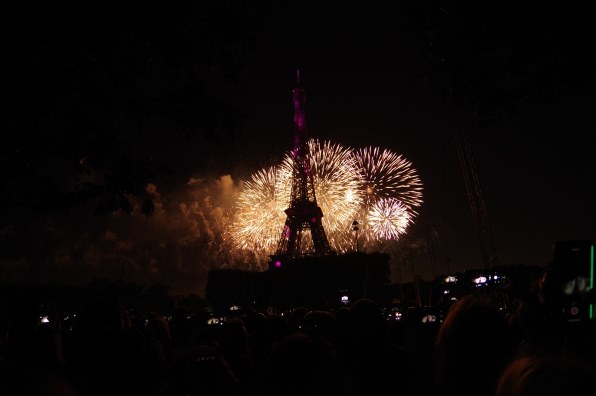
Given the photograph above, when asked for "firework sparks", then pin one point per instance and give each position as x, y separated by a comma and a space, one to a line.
388, 218
336, 183
387, 180
385, 174
378, 187
259, 212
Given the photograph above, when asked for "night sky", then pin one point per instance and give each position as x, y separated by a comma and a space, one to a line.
131, 128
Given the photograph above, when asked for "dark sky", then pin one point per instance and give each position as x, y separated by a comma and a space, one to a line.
114, 106
367, 84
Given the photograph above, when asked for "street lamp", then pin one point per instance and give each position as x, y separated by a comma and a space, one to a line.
355, 229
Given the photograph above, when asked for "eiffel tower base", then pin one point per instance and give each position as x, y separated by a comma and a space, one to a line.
326, 282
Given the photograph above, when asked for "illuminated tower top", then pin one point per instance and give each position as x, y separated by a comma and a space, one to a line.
299, 100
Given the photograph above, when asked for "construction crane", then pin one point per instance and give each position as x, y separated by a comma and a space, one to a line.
475, 197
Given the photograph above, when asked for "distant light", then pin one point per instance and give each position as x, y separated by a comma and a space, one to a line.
345, 299
450, 279
278, 264
479, 280
429, 318
216, 321
234, 308
44, 319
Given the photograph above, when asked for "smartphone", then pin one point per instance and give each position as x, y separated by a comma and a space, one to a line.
574, 266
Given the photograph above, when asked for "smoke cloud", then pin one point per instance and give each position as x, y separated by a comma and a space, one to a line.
177, 245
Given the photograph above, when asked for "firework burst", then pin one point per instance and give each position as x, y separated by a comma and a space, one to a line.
392, 191
377, 187
337, 188
388, 218
259, 211
385, 174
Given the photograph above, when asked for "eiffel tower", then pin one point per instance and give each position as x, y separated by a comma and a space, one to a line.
303, 213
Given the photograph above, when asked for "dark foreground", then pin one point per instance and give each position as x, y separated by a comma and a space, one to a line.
471, 346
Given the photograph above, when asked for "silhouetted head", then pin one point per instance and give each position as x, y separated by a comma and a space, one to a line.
472, 346
319, 323
366, 319
546, 376
23, 315
296, 315
235, 336
302, 365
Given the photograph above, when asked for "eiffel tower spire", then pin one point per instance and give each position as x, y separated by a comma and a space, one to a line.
303, 213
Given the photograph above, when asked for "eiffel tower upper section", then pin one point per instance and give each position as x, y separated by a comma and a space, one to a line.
303, 213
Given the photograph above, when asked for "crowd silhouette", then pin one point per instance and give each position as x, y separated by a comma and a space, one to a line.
474, 348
